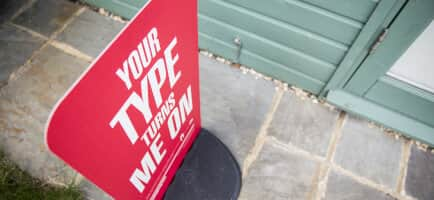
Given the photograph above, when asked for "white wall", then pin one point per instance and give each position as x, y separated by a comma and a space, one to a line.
416, 65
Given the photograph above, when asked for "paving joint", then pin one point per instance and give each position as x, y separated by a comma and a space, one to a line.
26, 66
22, 9
67, 22
48, 41
66, 48
295, 150
261, 137
362, 180
403, 166
320, 179
319, 185
370, 183
337, 133
29, 31
71, 51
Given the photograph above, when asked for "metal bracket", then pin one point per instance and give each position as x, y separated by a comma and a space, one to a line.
239, 44
378, 41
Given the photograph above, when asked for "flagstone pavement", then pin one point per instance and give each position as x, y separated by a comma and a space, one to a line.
288, 145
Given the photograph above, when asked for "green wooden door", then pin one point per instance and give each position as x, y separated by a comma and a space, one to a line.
302, 42
372, 93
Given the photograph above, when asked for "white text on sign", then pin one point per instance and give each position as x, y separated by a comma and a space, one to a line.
170, 112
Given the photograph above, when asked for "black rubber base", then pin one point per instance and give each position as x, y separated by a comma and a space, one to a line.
209, 171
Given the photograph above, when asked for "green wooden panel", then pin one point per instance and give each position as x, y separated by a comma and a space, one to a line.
306, 16
261, 64
284, 55
348, 8
410, 23
266, 31
377, 113
275, 30
303, 40
380, 19
359, 10
403, 98
134, 3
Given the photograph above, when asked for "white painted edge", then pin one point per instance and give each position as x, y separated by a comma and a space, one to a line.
84, 74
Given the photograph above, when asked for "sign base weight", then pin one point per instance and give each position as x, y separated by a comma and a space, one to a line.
209, 171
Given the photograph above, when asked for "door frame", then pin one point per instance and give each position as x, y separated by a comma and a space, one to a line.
411, 22
380, 20
413, 19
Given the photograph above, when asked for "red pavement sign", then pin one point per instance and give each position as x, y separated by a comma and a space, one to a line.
128, 122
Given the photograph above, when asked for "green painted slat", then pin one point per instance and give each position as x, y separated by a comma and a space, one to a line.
306, 16
291, 58
260, 64
359, 10
360, 48
355, 9
134, 3
406, 125
403, 98
410, 23
117, 7
277, 31
225, 50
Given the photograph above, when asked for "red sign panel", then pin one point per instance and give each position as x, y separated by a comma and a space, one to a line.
128, 122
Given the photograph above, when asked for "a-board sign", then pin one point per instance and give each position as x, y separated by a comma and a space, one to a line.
129, 120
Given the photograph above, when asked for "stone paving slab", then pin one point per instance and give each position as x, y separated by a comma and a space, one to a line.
341, 187
91, 32
16, 48
278, 174
369, 152
8, 8
47, 16
420, 174
233, 105
25, 104
303, 124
